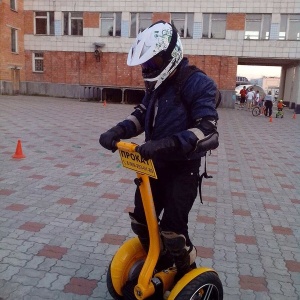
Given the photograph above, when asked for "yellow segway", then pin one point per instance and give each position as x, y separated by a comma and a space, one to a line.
131, 274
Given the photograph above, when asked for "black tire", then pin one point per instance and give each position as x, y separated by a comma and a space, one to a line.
205, 286
255, 111
110, 286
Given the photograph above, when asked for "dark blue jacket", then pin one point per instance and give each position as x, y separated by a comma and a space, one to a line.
161, 114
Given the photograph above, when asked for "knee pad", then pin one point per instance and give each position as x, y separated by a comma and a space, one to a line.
141, 230
138, 228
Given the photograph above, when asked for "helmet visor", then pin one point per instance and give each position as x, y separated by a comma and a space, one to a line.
152, 67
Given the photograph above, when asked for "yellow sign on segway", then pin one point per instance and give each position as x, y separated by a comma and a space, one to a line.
134, 161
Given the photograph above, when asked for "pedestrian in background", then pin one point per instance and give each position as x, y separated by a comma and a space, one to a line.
268, 104
243, 93
257, 98
250, 98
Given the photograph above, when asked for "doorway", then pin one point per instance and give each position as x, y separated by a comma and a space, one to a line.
15, 79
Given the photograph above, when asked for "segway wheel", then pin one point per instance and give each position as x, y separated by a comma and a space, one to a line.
110, 286
255, 111
125, 268
205, 286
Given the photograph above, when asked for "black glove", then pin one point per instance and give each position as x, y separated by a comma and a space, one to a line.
152, 148
210, 142
112, 135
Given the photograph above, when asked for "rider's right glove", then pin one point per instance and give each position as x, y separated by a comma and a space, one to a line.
112, 135
210, 142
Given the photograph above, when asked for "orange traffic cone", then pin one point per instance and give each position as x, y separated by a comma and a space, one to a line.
271, 119
19, 152
294, 116
104, 103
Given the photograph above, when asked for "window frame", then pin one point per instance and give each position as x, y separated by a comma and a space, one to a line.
265, 21
14, 40
35, 59
69, 22
188, 18
211, 18
13, 5
283, 27
289, 18
49, 17
135, 29
116, 18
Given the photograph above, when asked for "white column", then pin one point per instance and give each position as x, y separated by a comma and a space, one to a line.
282, 83
296, 89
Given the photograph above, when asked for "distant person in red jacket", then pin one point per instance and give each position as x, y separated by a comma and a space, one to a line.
243, 93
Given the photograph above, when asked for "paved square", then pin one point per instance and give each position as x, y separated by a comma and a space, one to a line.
64, 208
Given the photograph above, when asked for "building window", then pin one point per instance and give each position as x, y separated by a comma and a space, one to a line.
110, 24
73, 23
44, 23
14, 40
139, 22
184, 23
13, 4
38, 62
289, 27
283, 27
257, 26
214, 26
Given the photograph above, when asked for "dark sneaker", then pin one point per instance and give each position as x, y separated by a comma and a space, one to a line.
185, 262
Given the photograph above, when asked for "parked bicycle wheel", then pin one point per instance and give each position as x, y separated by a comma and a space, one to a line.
255, 111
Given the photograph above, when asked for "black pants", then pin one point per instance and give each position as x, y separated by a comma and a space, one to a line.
268, 111
174, 193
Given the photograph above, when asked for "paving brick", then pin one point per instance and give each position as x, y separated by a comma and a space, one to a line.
9, 272
258, 284
243, 239
282, 230
16, 207
293, 266
53, 251
86, 218
41, 293
80, 286
32, 226
113, 239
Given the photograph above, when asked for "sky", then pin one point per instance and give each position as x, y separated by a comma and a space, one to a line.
254, 72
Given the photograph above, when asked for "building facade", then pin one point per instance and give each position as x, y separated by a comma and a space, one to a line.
79, 49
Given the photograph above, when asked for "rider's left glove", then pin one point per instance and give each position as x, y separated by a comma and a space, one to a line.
151, 149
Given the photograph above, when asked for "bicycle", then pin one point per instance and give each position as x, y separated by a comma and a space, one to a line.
131, 273
257, 109
279, 113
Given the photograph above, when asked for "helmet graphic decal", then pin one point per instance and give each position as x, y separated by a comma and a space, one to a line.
158, 50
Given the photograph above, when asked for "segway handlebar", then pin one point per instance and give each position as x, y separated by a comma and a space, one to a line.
126, 146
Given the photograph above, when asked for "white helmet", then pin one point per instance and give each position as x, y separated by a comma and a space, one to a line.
159, 50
